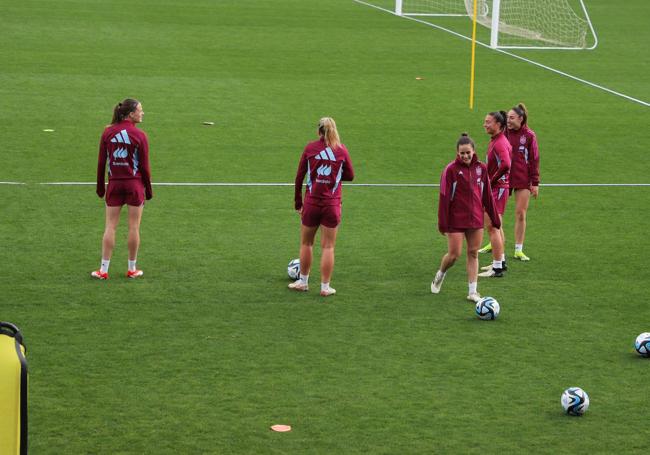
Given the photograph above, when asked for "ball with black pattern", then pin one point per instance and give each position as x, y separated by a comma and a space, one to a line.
293, 269
575, 401
642, 344
488, 308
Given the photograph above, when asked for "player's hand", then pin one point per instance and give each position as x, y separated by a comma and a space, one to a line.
534, 190
101, 192
299, 211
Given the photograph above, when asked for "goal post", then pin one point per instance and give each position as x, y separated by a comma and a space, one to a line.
517, 24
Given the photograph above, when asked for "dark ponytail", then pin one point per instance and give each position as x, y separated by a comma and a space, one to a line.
522, 112
500, 117
123, 109
463, 140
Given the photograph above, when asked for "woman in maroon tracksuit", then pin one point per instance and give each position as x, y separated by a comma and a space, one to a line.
498, 164
326, 163
524, 172
465, 194
125, 149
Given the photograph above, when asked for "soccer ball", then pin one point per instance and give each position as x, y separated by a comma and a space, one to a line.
642, 344
487, 308
575, 401
293, 269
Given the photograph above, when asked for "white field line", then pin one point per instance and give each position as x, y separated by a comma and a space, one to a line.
12, 183
384, 185
532, 62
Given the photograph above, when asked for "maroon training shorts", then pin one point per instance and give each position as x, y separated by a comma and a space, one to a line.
128, 191
500, 196
315, 215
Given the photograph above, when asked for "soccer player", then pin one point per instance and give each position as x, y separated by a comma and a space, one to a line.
465, 195
498, 164
326, 163
524, 173
125, 149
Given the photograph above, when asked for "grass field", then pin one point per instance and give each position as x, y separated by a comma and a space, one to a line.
209, 349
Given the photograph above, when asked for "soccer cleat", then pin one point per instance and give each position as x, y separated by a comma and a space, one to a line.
521, 256
486, 249
299, 286
504, 267
328, 292
436, 284
134, 273
474, 297
492, 273
99, 275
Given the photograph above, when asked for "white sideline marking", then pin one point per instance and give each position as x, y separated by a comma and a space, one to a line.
562, 73
386, 185
11, 183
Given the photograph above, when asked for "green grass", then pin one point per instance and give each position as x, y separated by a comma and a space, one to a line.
209, 349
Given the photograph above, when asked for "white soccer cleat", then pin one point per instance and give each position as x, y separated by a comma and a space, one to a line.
327, 292
487, 267
299, 286
436, 284
492, 273
474, 297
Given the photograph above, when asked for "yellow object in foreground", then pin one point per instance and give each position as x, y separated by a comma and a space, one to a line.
471, 76
13, 391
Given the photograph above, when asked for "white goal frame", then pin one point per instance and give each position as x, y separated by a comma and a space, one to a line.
494, 25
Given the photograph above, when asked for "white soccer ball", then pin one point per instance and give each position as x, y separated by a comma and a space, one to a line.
642, 344
487, 308
293, 269
575, 401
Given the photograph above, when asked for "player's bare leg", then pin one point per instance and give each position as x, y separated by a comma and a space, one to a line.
135, 216
522, 198
328, 241
454, 249
108, 241
474, 238
307, 235
496, 240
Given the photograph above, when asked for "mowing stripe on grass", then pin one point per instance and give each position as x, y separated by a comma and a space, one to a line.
532, 62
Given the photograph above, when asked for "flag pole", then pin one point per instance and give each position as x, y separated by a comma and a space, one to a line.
472, 70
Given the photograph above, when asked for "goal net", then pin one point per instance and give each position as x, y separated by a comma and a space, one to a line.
517, 24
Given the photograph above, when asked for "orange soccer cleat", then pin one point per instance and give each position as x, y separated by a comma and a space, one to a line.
134, 273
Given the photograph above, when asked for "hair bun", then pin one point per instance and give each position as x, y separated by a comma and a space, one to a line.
464, 134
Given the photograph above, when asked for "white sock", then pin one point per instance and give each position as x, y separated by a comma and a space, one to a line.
325, 286
304, 278
496, 264
519, 247
104, 266
503, 257
131, 266
472, 287
440, 274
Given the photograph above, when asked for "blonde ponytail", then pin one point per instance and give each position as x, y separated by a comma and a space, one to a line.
327, 129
